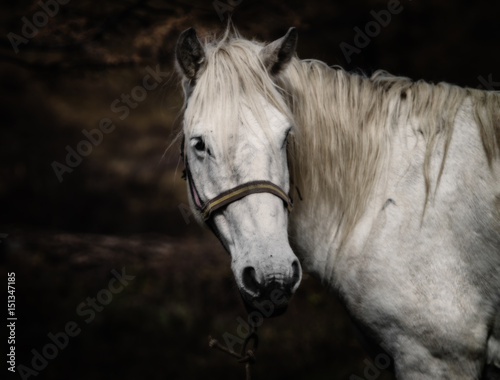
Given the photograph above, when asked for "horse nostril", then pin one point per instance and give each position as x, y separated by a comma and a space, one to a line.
296, 271
250, 281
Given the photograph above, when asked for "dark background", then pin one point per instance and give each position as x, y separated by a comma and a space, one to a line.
125, 205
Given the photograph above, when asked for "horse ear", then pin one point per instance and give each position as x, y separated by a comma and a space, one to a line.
278, 54
189, 53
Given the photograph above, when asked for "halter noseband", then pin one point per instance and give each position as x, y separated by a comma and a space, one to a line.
232, 195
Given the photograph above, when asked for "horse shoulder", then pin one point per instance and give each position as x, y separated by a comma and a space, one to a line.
428, 278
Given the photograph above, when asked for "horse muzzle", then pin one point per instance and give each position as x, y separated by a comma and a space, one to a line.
269, 294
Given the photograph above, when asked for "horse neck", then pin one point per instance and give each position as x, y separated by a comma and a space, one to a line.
340, 141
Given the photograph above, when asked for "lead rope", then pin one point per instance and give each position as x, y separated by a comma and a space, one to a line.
246, 355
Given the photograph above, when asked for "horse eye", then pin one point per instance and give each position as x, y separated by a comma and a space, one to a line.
200, 145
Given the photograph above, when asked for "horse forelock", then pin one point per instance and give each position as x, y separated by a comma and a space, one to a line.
234, 80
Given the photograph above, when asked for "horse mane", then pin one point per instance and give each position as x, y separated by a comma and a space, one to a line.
344, 122
341, 121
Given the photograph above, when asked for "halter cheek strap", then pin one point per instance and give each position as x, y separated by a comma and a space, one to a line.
229, 196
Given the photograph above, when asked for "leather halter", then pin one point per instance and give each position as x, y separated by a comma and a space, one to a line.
232, 195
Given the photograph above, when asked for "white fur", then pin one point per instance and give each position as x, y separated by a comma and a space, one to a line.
254, 229
427, 289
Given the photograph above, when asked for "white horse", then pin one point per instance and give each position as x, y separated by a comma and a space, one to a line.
400, 195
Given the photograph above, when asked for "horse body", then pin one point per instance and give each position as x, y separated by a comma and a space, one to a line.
400, 212
425, 287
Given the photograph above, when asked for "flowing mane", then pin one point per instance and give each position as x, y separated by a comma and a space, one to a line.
341, 121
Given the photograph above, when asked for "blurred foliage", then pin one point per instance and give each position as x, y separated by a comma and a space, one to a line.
123, 205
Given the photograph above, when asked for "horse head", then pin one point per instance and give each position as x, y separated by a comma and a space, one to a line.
235, 127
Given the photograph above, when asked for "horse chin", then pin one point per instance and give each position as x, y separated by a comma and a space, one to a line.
266, 307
